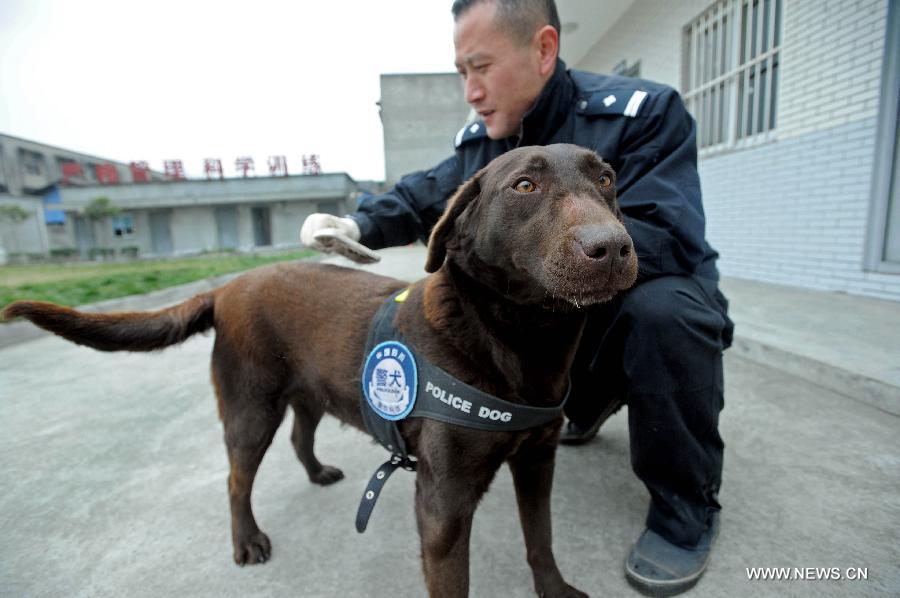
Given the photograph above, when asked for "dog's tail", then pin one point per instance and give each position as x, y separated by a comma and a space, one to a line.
123, 331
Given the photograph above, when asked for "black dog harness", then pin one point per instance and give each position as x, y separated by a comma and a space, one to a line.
397, 383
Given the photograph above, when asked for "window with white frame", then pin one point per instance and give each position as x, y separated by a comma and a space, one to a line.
730, 70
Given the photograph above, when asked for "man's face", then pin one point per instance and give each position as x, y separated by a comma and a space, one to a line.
502, 78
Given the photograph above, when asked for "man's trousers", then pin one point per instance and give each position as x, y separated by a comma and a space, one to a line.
658, 347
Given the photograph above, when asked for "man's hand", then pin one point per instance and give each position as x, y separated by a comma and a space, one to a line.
331, 234
318, 222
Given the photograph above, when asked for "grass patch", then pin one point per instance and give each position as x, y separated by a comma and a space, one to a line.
79, 283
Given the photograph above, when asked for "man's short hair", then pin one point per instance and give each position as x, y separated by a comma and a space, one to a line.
519, 19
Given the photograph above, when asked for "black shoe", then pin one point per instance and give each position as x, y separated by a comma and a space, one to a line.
574, 434
656, 567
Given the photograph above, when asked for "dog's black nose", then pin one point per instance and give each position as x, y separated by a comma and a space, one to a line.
604, 242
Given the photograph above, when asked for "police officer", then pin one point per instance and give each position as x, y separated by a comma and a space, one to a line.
658, 347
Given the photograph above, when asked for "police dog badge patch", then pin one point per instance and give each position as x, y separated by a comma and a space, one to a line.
389, 380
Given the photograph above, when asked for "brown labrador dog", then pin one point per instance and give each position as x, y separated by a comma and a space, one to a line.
522, 248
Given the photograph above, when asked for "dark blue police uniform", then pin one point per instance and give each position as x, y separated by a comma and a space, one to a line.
659, 345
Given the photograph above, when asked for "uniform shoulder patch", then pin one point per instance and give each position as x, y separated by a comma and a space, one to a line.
613, 102
475, 130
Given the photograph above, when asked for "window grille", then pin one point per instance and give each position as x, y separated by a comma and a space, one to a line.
730, 71
32, 162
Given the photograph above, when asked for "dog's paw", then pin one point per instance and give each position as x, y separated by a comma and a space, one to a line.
254, 549
328, 475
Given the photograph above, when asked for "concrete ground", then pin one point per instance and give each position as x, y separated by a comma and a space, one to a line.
113, 476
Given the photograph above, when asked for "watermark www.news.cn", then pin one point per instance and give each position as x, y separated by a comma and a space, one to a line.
807, 573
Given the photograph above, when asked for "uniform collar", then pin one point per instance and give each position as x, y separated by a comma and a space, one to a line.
550, 110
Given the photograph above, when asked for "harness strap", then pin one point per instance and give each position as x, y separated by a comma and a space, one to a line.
445, 398
384, 431
376, 483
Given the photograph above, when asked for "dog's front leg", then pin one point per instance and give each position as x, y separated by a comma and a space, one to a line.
444, 510
532, 470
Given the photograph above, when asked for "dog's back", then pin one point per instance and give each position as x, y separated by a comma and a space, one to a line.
275, 334
297, 329
263, 305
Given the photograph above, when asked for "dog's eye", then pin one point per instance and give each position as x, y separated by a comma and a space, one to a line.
525, 186
605, 181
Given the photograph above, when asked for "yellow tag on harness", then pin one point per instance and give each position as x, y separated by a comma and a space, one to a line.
402, 296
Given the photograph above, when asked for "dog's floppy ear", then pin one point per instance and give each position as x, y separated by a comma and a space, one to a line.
443, 232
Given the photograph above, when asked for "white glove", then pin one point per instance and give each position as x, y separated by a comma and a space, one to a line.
317, 222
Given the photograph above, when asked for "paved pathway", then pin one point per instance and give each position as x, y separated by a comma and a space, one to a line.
113, 476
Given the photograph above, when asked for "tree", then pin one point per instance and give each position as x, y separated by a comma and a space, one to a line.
100, 208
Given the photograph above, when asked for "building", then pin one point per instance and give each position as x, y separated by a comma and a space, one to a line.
420, 114
45, 193
28, 169
796, 103
190, 216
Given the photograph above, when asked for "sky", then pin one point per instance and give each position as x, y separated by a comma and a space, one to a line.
196, 79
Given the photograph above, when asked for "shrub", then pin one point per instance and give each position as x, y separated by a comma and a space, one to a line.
22, 257
64, 252
101, 252
129, 251
14, 213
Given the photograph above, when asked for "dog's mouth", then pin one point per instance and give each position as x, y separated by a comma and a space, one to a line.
569, 293
588, 299
578, 281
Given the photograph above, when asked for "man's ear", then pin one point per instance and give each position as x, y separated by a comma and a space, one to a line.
547, 41
443, 232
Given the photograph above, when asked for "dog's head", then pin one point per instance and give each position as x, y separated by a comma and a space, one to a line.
541, 226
